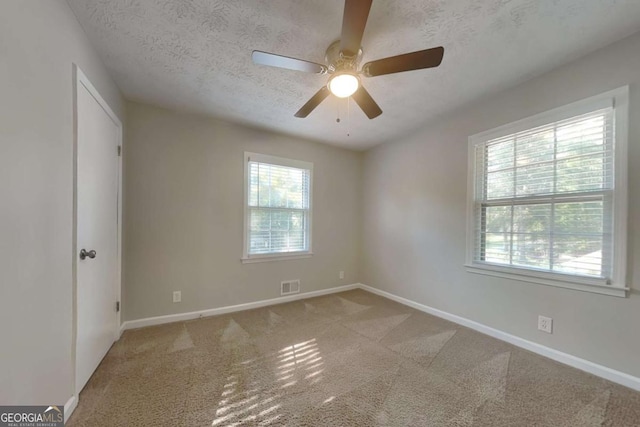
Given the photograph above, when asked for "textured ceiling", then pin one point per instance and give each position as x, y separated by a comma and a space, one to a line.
195, 55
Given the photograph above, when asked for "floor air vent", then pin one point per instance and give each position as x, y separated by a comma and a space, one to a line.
289, 287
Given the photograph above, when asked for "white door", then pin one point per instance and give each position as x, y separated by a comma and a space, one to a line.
98, 138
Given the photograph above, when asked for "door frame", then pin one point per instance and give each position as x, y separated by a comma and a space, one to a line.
81, 80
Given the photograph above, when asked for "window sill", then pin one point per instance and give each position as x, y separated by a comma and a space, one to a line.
275, 257
566, 281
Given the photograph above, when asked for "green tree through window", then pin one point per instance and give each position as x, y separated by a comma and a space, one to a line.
545, 194
278, 208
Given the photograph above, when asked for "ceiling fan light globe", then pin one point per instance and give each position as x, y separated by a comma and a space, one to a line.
344, 85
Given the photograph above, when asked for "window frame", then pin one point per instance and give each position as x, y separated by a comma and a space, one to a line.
277, 161
616, 286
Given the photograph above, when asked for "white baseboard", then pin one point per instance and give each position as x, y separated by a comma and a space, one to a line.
567, 359
159, 320
69, 407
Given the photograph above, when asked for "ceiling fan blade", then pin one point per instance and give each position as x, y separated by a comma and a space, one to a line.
427, 58
273, 60
313, 102
366, 102
354, 20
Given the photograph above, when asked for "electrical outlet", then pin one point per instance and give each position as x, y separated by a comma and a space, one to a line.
341, 274
177, 296
545, 324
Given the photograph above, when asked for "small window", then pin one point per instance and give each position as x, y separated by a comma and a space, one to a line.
277, 208
548, 197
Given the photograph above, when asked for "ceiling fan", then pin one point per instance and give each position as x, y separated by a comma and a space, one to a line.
343, 58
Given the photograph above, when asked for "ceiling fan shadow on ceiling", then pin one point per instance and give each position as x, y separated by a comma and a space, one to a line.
343, 58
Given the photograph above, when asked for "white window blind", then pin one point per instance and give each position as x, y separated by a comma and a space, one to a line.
278, 206
544, 197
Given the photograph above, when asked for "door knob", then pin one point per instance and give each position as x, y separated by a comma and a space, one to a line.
84, 254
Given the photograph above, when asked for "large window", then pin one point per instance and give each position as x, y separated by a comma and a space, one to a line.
277, 208
548, 197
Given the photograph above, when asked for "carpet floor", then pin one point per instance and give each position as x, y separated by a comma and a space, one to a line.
347, 359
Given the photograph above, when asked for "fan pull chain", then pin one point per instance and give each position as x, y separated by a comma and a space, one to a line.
349, 116
338, 109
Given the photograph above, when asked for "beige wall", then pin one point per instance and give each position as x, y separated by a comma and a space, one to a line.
414, 209
39, 40
184, 214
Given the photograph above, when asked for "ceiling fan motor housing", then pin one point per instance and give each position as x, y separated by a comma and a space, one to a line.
339, 63
343, 58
